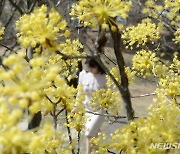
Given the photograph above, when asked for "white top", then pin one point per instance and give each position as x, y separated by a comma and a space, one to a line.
91, 82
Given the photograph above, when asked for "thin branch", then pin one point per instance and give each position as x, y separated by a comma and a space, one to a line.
6, 47
110, 151
69, 131
60, 112
107, 115
75, 57
110, 59
2, 6
32, 6
79, 136
54, 115
160, 13
72, 27
58, 3
17, 7
98, 59
49, 99
60, 99
10, 18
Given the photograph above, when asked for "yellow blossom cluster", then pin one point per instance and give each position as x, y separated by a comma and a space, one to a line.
139, 135
170, 83
13, 139
43, 82
23, 85
107, 99
177, 36
144, 63
172, 8
114, 71
101, 143
100, 12
1, 31
167, 8
147, 64
69, 67
153, 8
78, 119
41, 28
28, 84
38, 85
141, 34
62, 93
71, 47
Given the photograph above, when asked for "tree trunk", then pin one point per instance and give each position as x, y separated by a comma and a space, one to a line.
124, 87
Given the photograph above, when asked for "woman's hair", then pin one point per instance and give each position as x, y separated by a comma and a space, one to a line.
93, 64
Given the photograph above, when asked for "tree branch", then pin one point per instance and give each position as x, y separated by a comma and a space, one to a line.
69, 131
17, 7
124, 89
75, 57
6, 47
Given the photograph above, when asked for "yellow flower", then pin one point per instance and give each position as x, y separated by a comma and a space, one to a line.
102, 11
177, 36
1, 31
114, 71
107, 99
137, 137
41, 27
144, 63
141, 34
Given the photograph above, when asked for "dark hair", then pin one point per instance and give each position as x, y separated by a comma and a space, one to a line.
93, 64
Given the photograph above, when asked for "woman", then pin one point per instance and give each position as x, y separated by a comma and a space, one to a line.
92, 80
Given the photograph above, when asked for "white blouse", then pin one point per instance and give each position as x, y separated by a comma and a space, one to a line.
91, 82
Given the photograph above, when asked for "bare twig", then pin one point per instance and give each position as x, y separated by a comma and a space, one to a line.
17, 7
75, 57
6, 47
10, 18
60, 112
49, 99
2, 6
69, 131
32, 6
78, 139
60, 99
115, 63
58, 3
108, 115
54, 116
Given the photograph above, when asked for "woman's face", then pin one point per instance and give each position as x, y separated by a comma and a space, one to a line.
94, 70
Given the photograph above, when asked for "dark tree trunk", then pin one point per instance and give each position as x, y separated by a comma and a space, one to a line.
124, 87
